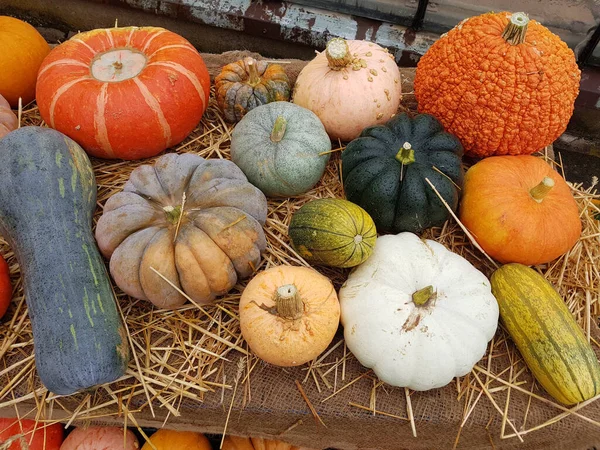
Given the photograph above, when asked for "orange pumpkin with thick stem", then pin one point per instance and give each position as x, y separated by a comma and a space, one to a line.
23, 50
125, 93
501, 83
165, 439
289, 315
256, 443
519, 209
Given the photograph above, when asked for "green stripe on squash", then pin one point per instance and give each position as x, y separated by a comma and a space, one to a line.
332, 232
552, 344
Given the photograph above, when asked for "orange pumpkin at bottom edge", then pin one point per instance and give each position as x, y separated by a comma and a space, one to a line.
165, 439
37, 435
519, 209
255, 443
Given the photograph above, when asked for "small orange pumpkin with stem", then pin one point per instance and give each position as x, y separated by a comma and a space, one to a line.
255, 443
519, 209
289, 315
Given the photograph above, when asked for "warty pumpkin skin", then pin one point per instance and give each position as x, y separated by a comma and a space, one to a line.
47, 199
416, 313
125, 93
289, 315
282, 148
386, 168
503, 84
23, 50
351, 85
245, 84
519, 209
165, 439
8, 119
256, 443
196, 222
545, 332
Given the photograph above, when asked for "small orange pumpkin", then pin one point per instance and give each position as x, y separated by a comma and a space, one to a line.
23, 50
501, 83
255, 443
165, 439
519, 209
245, 84
289, 315
8, 119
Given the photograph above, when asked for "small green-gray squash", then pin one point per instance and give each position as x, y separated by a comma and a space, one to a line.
47, 198
282, 148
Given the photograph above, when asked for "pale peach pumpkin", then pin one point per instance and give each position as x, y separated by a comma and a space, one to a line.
289, 315
22, 50
8, 119
105, 438
350, 86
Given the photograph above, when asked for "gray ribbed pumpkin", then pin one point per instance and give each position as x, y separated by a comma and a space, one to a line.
282, 148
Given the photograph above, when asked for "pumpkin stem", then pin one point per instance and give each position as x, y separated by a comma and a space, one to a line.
338, 53
278, 129
541, 190
515, 31
118, 65
422, 296
173, 213
288, 303
254, 78
406, 154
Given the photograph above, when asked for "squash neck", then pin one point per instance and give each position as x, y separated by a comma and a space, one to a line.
516, 29
288, 303
338, 54
539, 192
278, 131
406, 154
422, 296
254, 79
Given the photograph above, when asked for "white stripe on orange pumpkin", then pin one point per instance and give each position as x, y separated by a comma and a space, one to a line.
85, 44
128, 43
100, 121
110, 37
60, 91
149, 41
64, 62
167, 47
185, 72
155, 106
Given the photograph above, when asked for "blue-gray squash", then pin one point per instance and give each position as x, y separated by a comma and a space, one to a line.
47, 199
282, 148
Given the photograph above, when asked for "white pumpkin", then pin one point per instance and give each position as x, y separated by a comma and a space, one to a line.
416, 313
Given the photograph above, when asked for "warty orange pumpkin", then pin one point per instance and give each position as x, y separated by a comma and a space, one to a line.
519, 209
125, 93
501, 83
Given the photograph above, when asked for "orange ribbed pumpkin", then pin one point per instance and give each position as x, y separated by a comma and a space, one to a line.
22, 50
501, 83
519, 209
124, 93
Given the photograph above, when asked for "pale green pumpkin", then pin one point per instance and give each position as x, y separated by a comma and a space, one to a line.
282, 148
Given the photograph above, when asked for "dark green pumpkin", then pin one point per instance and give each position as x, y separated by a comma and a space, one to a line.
332, 232
47, 198
385, 172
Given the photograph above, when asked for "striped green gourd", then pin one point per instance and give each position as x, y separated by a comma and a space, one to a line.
553, 346
332, 232
47, 198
